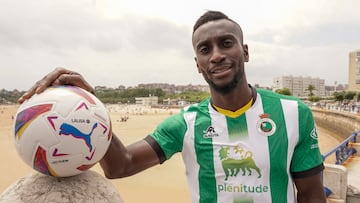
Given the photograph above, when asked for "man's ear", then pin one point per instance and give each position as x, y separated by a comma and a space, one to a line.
246, 53
197, 65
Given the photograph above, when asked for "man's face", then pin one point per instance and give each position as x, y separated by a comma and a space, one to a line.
220, 54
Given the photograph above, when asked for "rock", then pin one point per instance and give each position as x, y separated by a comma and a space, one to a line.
87, 187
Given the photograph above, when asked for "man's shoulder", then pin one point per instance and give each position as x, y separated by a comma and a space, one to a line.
268, 94
201, 106
272, 94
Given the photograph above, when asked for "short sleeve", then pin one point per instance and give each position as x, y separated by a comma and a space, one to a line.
169, 134
306, 154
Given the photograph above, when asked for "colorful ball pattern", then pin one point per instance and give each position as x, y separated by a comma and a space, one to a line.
63, 131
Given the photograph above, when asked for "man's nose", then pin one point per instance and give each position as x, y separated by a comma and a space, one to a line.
217, 55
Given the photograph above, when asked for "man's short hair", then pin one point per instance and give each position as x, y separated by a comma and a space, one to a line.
210, 16
214, 16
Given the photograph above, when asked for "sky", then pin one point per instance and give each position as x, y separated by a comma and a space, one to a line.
129, 42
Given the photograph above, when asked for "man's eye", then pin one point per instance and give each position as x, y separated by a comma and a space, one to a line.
204, 50
227, 43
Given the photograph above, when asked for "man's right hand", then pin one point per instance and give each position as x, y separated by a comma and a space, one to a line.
59, 76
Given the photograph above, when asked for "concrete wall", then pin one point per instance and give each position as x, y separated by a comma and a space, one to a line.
341, 123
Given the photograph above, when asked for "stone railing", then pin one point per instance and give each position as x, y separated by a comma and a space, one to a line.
337, 176
341, 123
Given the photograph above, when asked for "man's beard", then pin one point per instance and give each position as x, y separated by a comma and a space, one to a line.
227, 88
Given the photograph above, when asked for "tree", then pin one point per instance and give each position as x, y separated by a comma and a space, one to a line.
10, 96
284, 91
339, 96
349, 95
190, 96
311, 88
314, 98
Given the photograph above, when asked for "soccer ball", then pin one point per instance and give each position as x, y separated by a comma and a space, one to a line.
63, 131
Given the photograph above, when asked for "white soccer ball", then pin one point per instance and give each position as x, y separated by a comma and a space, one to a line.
63, 131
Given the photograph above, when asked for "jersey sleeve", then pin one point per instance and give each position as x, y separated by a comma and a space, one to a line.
306, 159
169, 135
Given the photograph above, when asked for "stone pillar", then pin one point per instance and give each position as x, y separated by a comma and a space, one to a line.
89, 187
335, 179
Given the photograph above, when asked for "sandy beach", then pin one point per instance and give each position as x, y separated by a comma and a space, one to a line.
165, 183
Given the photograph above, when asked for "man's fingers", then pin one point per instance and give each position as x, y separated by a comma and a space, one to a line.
59, 76
73, 79
42, 84
27, 95
53, 78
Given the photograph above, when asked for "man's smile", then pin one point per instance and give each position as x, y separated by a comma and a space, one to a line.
220, 71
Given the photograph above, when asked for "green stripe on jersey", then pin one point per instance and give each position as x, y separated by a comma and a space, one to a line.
204, 154
236, 131
278, 145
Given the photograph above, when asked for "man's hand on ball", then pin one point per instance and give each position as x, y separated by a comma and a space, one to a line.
59, 76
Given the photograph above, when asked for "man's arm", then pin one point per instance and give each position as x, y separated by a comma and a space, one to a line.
120, 161
310, 189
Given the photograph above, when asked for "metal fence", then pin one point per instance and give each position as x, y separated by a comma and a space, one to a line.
344, 150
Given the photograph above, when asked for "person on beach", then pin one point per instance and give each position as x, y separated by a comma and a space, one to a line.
239, 145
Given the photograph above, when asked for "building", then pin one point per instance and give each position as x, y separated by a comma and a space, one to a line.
149, 101
354, 71
173, 89
298, 86
175, 102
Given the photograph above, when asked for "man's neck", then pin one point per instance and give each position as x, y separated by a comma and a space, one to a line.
234, 100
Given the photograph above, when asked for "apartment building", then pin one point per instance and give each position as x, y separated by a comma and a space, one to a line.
298, 86
354, 71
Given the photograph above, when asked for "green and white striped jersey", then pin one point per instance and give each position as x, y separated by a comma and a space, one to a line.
250, 158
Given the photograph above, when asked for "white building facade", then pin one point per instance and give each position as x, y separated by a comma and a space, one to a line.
354, 71
149, 101
298, 86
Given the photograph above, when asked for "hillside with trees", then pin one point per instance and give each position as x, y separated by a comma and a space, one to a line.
125, 95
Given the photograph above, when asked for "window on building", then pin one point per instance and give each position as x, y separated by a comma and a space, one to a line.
357, 76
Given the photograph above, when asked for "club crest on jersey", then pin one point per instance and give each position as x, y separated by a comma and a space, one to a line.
265, 125
210, 132
313, 134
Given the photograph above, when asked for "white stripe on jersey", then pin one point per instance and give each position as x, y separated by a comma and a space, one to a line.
219, 122
292, 128
188, 154
257, 140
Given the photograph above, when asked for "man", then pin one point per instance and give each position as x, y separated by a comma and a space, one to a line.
240, 145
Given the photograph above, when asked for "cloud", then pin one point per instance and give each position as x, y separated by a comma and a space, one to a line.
72, 27
76, 36
127, 42
310, 36
317, 50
